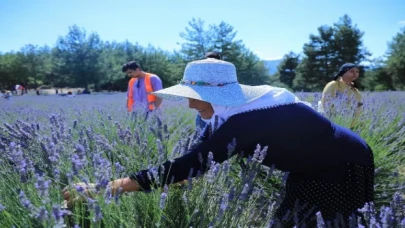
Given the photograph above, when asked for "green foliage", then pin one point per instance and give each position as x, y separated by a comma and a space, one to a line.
286, 71
10, 65
196, 40
396, 60
83, 60
79, 55
377, 78
220, 38
36, 62
348, 42
326, 52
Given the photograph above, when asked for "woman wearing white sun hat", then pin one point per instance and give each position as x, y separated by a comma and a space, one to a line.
331, 169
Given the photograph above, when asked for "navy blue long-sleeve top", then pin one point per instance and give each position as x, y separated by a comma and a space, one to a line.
300, 141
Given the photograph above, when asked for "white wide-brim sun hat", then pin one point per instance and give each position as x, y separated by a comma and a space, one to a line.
213, 81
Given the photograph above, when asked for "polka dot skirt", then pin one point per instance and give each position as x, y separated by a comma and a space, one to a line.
335, 200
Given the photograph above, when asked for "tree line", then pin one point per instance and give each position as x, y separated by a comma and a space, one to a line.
79, 59
335, 45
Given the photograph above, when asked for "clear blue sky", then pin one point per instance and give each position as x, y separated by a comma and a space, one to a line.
270, 28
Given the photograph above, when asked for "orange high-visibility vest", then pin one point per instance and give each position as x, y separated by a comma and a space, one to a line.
148, 86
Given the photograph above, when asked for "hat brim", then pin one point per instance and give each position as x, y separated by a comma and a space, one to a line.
228, 95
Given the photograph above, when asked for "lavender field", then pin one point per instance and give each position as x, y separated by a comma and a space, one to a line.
50, 142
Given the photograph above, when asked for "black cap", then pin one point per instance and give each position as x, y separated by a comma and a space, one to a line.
343, 69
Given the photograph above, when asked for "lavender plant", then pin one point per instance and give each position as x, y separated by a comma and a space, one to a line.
49, 143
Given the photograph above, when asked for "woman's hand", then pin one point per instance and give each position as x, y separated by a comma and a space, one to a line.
79, 193
89, 190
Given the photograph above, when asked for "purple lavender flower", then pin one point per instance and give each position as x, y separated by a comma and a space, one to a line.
78, 158
25, 202
212, 172
98, 216
42, 214
56, 174
55, 139
161, 151
154, 175
77, 162
2, 207
102, 170
403, 223
285, 176
162, 200
16, 156
223, 205
163, 197
256, 154
137, 138
210, 159
58, 213
42, 186
319, 220
387, 217
79, 189
245, 191
80, 149
103, 143
117, 195
119, 169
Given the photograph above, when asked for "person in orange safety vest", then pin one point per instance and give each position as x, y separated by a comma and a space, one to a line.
140, 87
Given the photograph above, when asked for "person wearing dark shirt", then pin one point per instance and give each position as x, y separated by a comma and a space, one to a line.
331, 169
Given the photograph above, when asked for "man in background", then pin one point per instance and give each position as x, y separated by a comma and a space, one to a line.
140, 87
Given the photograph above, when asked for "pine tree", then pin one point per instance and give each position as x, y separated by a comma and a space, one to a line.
396, 59
327, 51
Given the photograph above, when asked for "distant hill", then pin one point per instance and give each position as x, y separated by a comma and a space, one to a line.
272, 65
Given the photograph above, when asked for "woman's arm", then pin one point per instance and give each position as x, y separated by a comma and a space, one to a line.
124, 185
196, 160
176, 170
